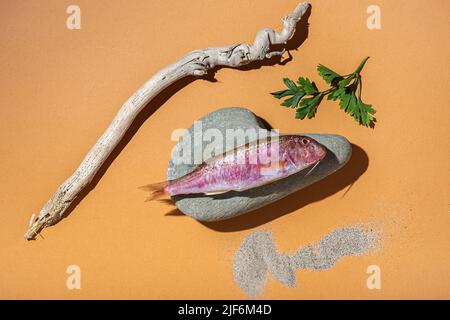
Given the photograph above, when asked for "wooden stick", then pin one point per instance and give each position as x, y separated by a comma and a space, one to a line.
196, 63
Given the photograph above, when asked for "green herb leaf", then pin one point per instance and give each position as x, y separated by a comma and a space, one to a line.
308, 106
282, 93
301, 113
293, 101
367, 113
307, 86
344, 100
296, 99
290, 84
336, 94
327, 74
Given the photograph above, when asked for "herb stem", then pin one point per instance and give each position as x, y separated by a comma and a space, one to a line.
359, 85
325, 92
361, 65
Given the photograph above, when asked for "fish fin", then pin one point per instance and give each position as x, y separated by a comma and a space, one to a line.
215, 192
273, 169
157, 191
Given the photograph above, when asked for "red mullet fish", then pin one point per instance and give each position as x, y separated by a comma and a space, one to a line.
251, 165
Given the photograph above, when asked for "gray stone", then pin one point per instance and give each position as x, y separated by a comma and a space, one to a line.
231, 204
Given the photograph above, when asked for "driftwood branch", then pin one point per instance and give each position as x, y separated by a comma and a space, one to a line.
196, 63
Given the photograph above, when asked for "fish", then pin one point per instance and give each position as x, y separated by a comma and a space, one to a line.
245, 167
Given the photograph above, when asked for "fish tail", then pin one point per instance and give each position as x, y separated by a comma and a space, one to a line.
157, 191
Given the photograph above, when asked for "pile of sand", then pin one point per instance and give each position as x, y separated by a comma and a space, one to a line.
257, 256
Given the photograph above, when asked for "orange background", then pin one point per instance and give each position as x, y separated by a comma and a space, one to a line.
60, 89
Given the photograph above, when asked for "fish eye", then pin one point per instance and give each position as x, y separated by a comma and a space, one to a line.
305, 141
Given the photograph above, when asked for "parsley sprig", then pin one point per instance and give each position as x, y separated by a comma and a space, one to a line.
305, 97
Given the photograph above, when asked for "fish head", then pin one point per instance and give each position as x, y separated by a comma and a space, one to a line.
306, 151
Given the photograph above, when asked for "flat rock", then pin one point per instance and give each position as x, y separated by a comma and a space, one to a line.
231, 204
